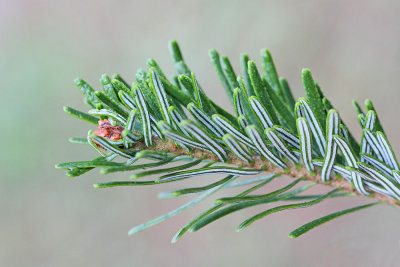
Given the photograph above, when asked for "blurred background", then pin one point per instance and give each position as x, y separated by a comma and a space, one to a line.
48, 219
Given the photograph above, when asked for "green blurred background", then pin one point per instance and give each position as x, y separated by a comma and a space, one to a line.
48, 219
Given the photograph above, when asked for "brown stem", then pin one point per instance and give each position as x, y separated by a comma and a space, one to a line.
293, 171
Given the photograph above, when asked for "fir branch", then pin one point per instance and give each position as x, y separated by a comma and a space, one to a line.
271, 133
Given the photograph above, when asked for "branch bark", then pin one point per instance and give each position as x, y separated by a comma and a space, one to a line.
293, 171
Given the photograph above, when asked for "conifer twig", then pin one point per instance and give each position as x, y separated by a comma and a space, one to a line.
269, 133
